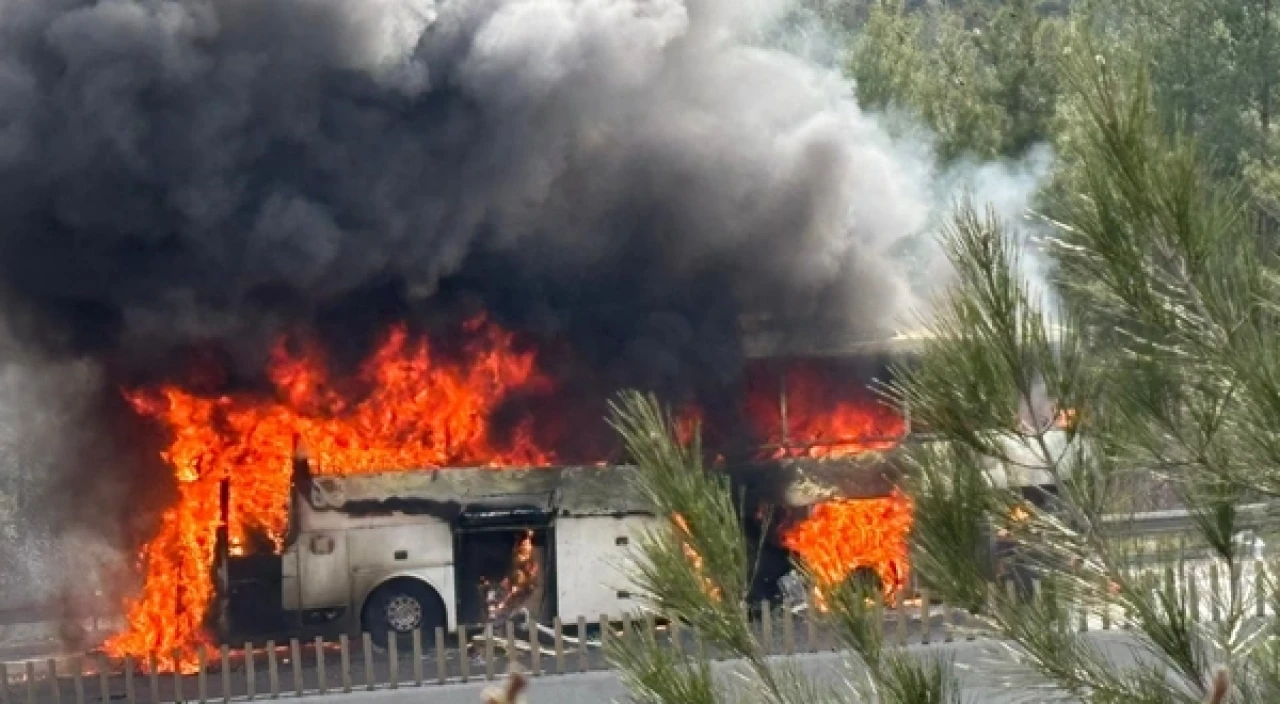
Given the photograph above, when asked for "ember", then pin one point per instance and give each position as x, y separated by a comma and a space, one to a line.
841, 536
419, 411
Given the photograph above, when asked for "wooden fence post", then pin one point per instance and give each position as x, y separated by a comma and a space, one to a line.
251, 674
153, 667
488, 652
810, 630
226, 673
417, 657
1193, 595
202, 681
1215, 591
558, 628
464, 655
366, 646
273, 670
788, 629
295, 654
104, 680
179, 696
1260, 588
51, 668
535, 649
344, 652
584, 656
130, 693
442, 667
322, 677
393, 661
925, 623
766, 627
513, 658
77, 682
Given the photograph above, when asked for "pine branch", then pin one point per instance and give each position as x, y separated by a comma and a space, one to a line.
697, 571
1183, 386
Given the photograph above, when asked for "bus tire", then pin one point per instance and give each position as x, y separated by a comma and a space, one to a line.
400, 607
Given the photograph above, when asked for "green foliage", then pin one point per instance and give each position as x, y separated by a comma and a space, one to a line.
696, 571
1153, 246
982, 78
655, 674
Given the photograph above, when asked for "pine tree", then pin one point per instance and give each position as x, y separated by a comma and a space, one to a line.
1182, 387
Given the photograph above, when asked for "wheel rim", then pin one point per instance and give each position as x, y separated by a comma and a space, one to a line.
404, 613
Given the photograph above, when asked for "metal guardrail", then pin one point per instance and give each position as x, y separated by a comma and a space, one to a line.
296, 669
1155, 523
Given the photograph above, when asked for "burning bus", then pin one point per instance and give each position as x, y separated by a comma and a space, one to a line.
420, 500
391, 552
409, 550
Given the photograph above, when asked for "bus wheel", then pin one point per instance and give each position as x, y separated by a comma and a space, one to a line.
401, 607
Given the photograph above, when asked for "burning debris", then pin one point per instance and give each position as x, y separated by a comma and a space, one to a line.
418, 411
822, 414
515, 590
843, 538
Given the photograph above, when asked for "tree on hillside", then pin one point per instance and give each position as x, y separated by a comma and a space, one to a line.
1187, 387
1213, 67
980, 75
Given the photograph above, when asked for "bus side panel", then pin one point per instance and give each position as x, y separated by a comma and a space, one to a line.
324, 573
593, 556
419, 550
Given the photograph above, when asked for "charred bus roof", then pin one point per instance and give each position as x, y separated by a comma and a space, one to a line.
565, 491
458, 493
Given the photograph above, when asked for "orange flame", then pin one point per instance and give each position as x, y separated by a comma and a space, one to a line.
824, 419
844, 535
692, 555
513, 588
418, 410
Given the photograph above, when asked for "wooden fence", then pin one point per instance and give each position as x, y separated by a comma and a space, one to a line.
353, 664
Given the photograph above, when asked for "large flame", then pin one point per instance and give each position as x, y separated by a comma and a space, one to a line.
823, 418
411, 407
417, 409
843, 535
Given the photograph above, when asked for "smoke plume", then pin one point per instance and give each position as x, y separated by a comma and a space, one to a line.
183, 170
629, 177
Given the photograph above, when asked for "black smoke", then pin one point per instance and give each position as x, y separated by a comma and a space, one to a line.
619, 173
622, 180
